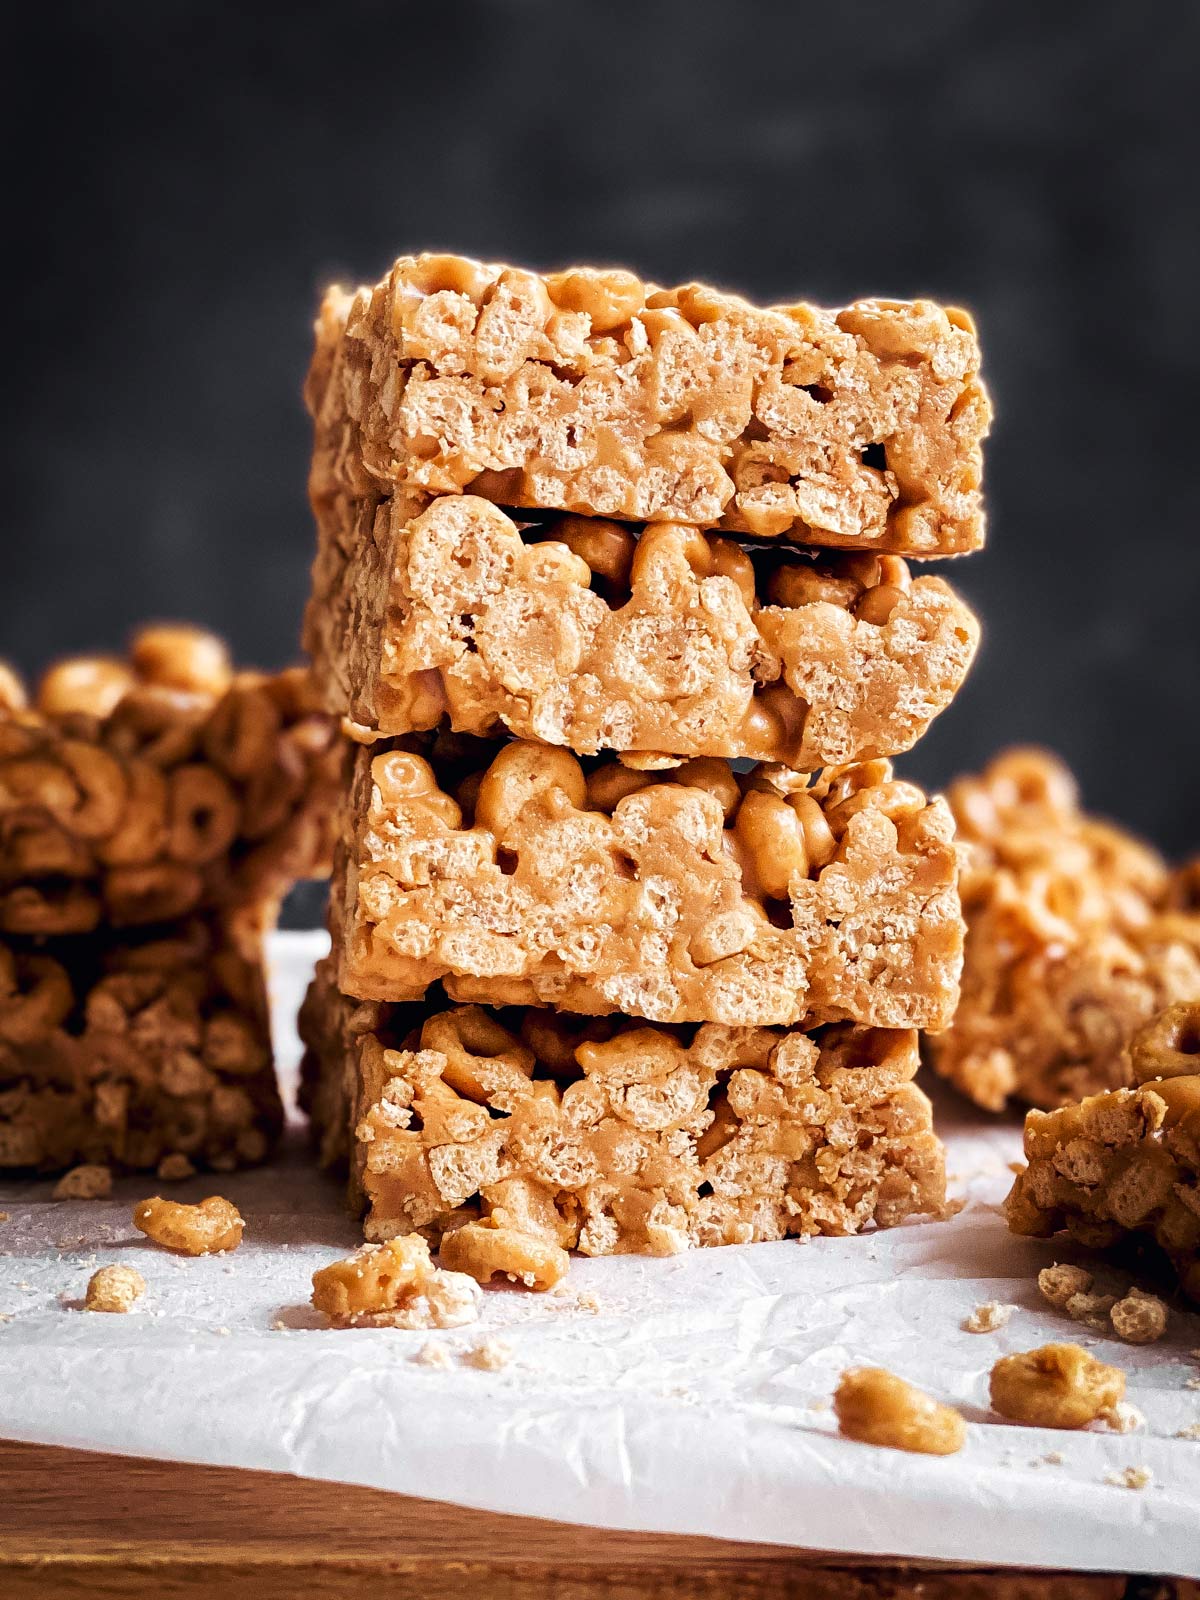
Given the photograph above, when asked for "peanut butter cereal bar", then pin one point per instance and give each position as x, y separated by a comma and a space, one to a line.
1122, 1168
510, 1135
128, 1051
1077, 934
584, 633
140, 791
692, 894
594, 393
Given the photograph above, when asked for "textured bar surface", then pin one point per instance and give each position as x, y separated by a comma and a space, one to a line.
140, 792
609, 1135
1121, 1169
687, 895
591, 392
1076, 934
127, 1051
575, 632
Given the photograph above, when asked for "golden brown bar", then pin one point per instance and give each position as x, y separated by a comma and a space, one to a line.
691, 894
595, 635
1077, 933
141, 791
129, 1051
594, 393
1121, 1170
611, 1135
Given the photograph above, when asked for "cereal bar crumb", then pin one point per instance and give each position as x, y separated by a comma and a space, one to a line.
212, 1226
876, 1407
175, 1168
988, 1317
1124, 1418
1054, 1458
1130, 1478
433, 1355
84, 1183
279, 1325
395, 1285
114, 1289
1191, 1383
4, 1217
588, 1300
1139, 1318
1056, 1386
1192, 1432
1060, 1283
489, 1356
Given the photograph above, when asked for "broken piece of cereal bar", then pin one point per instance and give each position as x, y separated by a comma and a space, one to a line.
612, 1135
691, 894
1122, 1169
591, 392
598, 636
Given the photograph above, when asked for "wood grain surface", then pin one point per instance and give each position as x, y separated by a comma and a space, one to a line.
74, 1524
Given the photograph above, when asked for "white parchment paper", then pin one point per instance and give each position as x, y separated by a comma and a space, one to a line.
695, 1399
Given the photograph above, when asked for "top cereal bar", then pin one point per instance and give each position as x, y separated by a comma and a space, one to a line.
588, 391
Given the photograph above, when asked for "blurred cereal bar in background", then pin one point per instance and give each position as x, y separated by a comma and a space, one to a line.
137, 791
137, 1049
1077, 933
153, 814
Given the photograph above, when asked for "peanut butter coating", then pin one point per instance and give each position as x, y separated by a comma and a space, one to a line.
691, 894
576, 632
611, 1135
594, 393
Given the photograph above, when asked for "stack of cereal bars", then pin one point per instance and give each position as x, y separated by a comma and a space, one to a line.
153, 813
633, 927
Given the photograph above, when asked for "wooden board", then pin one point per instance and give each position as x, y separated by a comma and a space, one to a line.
79, 1524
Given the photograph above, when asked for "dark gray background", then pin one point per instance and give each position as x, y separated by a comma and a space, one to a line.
188, 176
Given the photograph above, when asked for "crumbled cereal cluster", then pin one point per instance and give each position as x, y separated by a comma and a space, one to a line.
1124, 1167
689, 894
139, 792
513, 1135
1076, 935
135, 1049
577, 633
592, 392
1136, 1317
394, 1285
